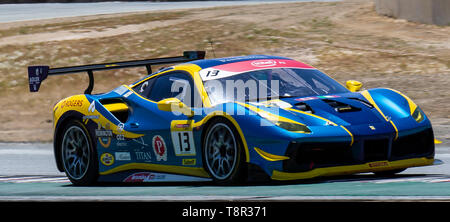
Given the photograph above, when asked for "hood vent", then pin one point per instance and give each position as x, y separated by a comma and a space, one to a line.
341, 107
363, 102
304, 107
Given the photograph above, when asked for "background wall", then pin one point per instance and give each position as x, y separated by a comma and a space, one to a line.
423, 11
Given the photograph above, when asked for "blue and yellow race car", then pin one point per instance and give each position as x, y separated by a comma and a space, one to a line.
231, 120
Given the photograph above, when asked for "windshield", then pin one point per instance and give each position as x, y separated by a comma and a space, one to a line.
267, 84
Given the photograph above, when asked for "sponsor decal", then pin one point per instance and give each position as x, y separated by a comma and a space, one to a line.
189, 162
182, 126
91, 117
121, 90
120, 127
307, 98
107, 159
105, 141
121, 143
143, 86
145, 156
328, 96
379, 164
141, 141
91, 108
123, 156
182, 137
70, 103
144, 177
229, 69
127, 94
264, 63
104, 135
120, 137
159, 146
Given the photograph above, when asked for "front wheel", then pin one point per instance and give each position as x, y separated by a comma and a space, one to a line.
78, 154
223, 153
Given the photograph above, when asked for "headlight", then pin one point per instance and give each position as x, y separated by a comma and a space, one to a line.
293, 127
284, 123
418, 115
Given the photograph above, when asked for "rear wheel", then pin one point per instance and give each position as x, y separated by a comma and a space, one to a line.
78, 154
223, 153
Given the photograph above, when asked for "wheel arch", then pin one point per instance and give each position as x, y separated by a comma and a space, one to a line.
57, 136
207, 121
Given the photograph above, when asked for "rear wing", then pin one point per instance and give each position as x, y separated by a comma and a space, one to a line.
37, 74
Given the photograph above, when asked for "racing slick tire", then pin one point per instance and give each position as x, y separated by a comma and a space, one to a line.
78, 155
223, 153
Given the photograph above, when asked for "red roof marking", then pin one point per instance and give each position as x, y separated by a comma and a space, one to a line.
261, 64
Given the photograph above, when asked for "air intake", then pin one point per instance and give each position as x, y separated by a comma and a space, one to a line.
363, 102
304, 107
341, 107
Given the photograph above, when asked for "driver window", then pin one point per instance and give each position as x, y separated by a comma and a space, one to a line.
175, 85
144, 88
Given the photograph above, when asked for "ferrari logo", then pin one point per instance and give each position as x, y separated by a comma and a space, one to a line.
372, 127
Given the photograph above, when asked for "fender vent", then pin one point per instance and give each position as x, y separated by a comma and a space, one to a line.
117, 107
341, 107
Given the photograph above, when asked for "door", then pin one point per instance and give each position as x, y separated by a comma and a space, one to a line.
169, 136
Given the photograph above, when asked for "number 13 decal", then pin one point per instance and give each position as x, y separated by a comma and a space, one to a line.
182, 138
184, 142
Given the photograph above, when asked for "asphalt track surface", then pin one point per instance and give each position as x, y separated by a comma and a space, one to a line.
28, 173
24, 12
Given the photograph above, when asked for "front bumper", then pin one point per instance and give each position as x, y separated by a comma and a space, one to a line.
367, 154
353, 169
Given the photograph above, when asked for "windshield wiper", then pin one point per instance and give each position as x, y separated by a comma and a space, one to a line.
268, 98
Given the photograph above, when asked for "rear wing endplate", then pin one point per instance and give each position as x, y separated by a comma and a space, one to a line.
37, 74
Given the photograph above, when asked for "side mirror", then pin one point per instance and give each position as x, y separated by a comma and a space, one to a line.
353, 85
175, 105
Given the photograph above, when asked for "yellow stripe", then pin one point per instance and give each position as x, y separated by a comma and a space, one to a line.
412, 105
269, 156
361, 168
396, 130
233, 121
81, 104
191, 171
327, 120
268, 115
116, 107
367, 95
351, 135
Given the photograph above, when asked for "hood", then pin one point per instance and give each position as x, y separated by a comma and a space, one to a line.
342, 109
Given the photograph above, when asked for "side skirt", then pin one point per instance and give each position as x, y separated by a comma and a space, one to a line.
142, 176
